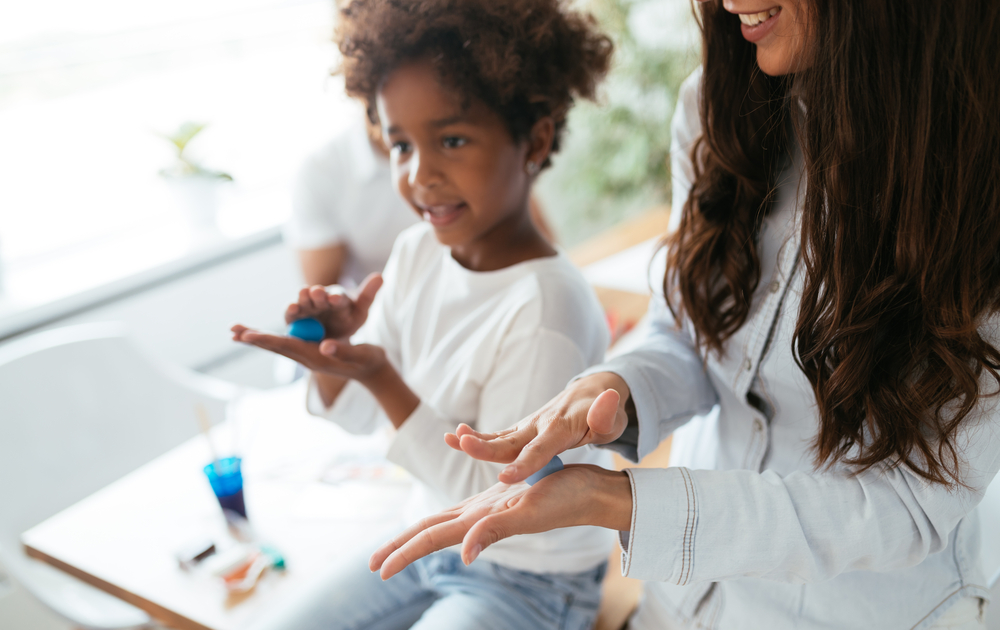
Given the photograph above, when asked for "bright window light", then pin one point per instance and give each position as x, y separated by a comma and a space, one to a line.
88, 89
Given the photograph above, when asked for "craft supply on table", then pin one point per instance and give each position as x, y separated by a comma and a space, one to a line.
555, 465
195, 552
226, 480
242, 565
307, 329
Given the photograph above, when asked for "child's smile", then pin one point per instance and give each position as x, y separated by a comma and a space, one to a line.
455, 162
441, 214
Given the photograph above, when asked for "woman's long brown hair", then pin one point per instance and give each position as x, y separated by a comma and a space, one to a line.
898, 119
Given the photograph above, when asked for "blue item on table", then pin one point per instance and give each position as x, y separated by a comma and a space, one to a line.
555, 465
227, 484
307, 329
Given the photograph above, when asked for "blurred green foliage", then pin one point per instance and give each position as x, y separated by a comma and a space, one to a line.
615, 161
184, 166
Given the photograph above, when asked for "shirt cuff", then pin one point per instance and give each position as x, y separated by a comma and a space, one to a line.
660, 543
411, 444
355, 410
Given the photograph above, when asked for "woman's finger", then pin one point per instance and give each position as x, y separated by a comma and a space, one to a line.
454, 440
490, 530
378, 558
424, 543
464, 429
536, 453
503, 449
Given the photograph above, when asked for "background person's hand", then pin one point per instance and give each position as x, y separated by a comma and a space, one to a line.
341, 314
590, 410
330, 356
576, 495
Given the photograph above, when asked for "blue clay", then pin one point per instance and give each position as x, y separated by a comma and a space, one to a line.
307, 329
555, 465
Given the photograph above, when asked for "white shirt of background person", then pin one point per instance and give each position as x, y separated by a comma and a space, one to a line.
345, 212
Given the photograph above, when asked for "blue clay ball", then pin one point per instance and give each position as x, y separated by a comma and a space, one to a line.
307, 329
555, 465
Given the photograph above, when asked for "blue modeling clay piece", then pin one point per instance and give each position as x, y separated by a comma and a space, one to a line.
307, 329
555, 465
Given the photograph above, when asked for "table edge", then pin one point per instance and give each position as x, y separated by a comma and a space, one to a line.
159, 613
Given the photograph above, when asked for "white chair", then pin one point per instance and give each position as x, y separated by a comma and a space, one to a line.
79, 408
989, 530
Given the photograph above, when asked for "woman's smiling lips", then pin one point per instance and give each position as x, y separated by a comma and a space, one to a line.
755, 26
441, 214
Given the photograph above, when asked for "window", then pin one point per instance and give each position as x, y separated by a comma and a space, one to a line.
86, 89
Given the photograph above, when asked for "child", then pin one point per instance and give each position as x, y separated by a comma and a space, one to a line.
479, 320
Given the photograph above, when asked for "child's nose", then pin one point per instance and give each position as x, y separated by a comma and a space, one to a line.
424, 172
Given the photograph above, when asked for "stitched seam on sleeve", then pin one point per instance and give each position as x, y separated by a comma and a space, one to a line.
687, 551
687, 524
697, 517
627, 565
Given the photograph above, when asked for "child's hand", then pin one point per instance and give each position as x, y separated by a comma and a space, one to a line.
338, 358
340, 315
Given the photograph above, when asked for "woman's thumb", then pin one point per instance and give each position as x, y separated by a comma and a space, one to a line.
602, 413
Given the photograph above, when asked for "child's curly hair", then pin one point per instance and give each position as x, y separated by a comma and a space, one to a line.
525, 59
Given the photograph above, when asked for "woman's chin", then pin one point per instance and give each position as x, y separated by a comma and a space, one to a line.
778, 63
773, 65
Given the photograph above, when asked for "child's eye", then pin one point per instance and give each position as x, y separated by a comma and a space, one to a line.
453, 142
400, 146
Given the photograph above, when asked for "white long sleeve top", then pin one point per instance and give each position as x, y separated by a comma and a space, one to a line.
742, 531
343, 195
486, 349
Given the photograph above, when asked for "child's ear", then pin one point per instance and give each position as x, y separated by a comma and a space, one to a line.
543, 132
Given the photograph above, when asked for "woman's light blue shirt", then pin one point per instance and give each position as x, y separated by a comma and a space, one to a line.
743, 531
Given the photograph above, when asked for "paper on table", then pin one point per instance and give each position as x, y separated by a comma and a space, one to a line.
348, 502
633, 269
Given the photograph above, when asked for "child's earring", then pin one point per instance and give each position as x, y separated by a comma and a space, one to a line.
531, 168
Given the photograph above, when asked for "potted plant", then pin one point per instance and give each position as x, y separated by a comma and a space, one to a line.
195, 187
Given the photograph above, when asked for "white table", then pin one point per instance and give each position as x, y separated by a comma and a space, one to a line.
123, 539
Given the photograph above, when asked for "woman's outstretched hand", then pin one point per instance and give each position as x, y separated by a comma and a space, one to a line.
507, 510
589, 411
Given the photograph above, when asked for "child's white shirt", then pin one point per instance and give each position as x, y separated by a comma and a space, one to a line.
486, 349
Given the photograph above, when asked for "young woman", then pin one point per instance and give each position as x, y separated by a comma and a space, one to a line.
833, 286
479, 320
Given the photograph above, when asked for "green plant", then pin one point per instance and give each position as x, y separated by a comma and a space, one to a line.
184, 166
616, 159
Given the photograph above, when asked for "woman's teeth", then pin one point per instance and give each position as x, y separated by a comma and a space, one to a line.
753, 19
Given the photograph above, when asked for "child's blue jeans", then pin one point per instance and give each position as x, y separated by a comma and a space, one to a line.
440, 593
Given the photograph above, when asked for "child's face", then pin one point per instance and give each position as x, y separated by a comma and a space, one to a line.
459, 168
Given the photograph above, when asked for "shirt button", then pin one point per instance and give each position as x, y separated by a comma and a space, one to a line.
748, 365
775, 286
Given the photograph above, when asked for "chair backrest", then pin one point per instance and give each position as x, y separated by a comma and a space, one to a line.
989, 528
81, 407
